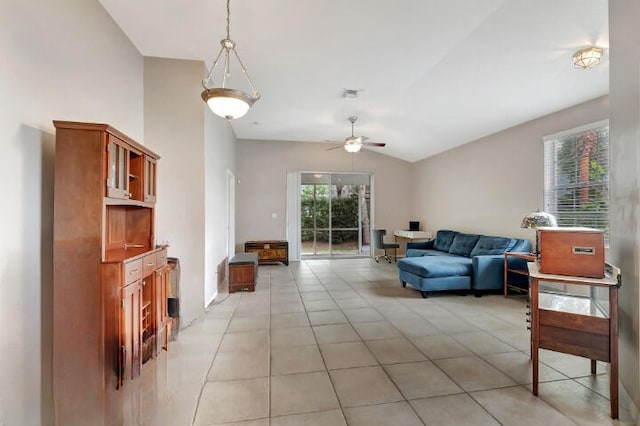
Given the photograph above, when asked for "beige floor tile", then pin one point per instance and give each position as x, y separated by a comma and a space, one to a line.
489, 322
473, 373
393, 351
346, 355
440, 346
579, 403
376, 330
248, 341
509, 405
286, 307
518, 337
320, 305
232, 401
295, 359
364, 386
259, 422
319, 418
452, 325
310, 296
335, 333
302, 393
285, 297
239, 365
421, 380
342, 293
363, 315
519, 367
258, 322
414, 327
294, 336
569, 365
395, 413
351, 303
326, 317
458, 409
481, 342
295, 319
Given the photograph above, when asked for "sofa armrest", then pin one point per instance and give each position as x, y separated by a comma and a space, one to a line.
488, 272
421, 245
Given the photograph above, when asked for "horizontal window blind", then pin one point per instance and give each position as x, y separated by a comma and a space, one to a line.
576, 177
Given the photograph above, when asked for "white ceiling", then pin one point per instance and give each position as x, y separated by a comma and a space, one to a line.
434, 74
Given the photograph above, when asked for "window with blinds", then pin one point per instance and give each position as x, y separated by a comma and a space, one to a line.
576, 176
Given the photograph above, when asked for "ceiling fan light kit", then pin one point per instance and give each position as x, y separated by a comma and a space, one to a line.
226, 102
588, 57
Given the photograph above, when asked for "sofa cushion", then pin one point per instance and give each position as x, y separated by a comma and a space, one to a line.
463, 244
427, 252
491, 245
434, 267
444, 239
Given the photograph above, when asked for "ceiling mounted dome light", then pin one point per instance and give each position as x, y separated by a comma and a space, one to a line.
226, 102
588, 57
353, 144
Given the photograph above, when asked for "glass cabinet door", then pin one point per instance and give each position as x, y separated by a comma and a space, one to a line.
149, 179
117, 169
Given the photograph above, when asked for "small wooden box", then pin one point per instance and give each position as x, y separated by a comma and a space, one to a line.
243, 272
271, 251
577, 252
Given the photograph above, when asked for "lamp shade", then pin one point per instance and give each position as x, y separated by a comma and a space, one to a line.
587, 58
227, 103
352, 145
537, 219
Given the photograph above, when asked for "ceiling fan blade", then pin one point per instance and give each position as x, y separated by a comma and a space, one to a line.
379, 144
335, 147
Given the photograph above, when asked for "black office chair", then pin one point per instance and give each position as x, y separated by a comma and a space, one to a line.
378, 240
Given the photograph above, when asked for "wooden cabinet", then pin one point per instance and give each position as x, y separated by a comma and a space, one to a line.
109, 279
516, 274
578, 316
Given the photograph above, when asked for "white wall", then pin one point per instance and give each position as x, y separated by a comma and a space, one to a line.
64, 60
219, 154
624, 134
489, 185
262, 171
197, 149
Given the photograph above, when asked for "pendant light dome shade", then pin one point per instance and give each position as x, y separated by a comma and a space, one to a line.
227, 103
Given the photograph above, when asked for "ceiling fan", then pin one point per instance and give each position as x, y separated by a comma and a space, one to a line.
355, 143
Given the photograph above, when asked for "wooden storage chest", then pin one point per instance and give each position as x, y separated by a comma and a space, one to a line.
269, 251
243, 272
571, 251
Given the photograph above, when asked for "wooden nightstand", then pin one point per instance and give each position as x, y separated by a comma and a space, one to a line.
522, 286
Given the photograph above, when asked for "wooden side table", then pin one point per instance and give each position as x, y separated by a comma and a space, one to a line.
576, 324
527, 257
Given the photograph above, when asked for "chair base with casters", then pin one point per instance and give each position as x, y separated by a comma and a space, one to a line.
378, 239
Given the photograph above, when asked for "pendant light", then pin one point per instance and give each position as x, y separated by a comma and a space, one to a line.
224, 101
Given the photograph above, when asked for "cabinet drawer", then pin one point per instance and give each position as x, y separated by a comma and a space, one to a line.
132, 271
149, 264
161, 257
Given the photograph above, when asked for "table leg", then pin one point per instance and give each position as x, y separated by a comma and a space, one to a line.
593, 367
535, 330
613, 350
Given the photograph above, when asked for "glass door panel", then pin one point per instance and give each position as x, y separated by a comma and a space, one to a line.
314, 218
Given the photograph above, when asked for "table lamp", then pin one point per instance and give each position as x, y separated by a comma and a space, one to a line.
538, 219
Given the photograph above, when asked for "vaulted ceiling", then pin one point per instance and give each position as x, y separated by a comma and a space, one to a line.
433, 74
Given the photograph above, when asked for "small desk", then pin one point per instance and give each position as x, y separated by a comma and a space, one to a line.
411, 235
576, 325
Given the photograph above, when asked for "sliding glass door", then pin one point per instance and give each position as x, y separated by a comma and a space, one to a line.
334, 214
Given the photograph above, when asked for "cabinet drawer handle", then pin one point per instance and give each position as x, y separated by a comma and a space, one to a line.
150, 264
133, 271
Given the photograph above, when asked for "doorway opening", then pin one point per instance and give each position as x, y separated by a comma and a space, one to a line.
335, 215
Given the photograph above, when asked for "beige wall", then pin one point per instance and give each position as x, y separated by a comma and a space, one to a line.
64, 60
489, 185
624, 16
262, 171
196, 151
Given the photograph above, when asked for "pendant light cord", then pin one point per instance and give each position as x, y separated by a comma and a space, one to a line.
228, 18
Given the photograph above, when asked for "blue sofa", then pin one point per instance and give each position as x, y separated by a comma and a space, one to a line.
457, 261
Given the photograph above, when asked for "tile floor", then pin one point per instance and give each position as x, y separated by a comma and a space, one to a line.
336, 342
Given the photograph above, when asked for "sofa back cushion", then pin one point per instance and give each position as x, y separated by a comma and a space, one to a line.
463, 244
444, 239
492, 245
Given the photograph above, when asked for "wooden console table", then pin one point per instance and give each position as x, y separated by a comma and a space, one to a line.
514, 273
576, 324
269, 251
